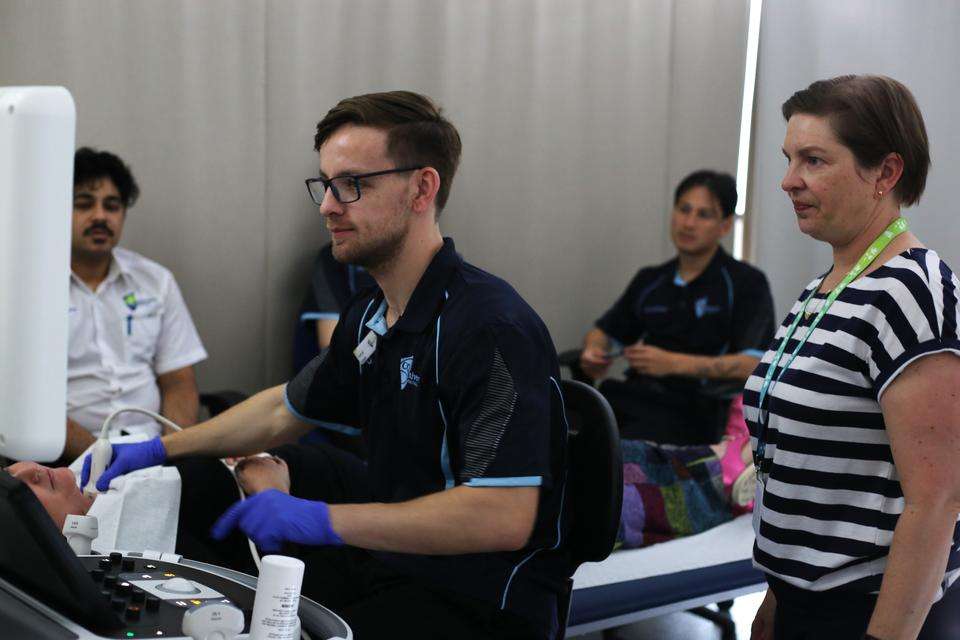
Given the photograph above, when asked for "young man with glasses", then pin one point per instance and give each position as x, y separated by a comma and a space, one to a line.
452, 379
132, 341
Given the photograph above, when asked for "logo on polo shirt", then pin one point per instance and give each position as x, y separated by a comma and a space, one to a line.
407, 376
702, 308
131, 301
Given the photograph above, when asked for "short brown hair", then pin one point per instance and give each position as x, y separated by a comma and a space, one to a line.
872, 116
417, 132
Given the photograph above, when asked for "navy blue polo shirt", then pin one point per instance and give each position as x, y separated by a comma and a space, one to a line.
332, 286
462, 390
727, 309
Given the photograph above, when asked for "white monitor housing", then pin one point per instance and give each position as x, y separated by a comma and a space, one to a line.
37, 134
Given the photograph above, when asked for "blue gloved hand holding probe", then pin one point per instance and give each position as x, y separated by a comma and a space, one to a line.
126, 458
272, 517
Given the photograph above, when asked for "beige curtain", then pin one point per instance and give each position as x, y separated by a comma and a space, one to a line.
578, 117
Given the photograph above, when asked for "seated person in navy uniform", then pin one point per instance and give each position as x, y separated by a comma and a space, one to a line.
455, 527
692, 329
332, 285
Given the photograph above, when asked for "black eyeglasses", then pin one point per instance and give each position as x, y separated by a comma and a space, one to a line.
345, 188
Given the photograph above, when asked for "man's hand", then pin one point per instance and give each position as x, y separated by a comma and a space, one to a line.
762, 628
259, 473
651, 361
126, 458
594, 361
272, 518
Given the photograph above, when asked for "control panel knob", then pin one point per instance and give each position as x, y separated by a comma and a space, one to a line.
128, 564
109, 581
138, 596
153, 604
116, 557
97, 575
123, 589
104, 564
133, 612
179, 586
118, 604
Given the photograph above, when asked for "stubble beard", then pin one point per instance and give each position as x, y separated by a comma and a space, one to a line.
376, 253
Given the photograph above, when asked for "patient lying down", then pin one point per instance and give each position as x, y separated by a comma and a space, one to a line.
147, 510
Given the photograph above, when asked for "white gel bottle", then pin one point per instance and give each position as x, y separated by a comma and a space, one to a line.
277, 602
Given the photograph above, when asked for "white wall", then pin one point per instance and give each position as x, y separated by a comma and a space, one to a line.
578, 118
914, 42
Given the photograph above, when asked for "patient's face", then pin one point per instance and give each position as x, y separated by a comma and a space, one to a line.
56, 489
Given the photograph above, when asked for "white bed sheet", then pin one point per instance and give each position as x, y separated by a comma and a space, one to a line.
728, 542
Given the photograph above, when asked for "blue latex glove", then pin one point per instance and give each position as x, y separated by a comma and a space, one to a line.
272, 517
126, 458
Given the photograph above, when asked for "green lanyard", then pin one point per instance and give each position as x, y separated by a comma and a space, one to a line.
896, 227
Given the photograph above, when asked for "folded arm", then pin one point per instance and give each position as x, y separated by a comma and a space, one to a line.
654, 361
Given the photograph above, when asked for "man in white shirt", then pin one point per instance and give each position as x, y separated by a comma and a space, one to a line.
132, 341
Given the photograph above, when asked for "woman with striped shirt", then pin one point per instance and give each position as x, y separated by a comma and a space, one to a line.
855, 409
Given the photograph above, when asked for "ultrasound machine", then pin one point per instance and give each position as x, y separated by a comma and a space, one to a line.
47, 591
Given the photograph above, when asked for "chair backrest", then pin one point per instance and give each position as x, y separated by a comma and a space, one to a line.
595, 481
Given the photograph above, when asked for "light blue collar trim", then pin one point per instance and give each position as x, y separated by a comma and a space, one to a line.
677, 280
378, 323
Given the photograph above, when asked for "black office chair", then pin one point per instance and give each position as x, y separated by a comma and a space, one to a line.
594, 481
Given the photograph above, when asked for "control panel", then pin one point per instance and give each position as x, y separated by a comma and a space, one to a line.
152, 596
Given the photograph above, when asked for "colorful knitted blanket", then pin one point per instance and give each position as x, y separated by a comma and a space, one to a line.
668, 492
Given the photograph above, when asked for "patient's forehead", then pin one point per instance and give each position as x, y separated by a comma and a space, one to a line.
19, 469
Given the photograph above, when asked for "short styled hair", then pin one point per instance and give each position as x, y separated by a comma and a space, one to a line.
872, 116
417, 132
721, 186
90, 165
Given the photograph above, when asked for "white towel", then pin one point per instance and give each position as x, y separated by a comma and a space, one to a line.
139, 511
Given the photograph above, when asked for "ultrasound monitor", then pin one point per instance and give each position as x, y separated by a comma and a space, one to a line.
36, 191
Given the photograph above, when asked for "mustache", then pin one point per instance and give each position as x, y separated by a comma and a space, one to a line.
98, 226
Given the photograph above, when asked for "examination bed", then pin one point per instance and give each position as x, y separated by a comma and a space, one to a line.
678, 575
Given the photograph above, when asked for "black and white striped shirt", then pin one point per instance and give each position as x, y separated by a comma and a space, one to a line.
832, 499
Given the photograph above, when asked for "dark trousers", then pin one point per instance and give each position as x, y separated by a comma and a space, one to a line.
812, 615
646, 410
375, 600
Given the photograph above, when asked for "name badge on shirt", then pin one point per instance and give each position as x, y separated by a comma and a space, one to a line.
366, 348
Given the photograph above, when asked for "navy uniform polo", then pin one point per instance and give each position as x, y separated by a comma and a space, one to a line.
727, 309
332, 286
462, 390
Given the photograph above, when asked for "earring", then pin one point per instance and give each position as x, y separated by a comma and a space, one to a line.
879, 194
